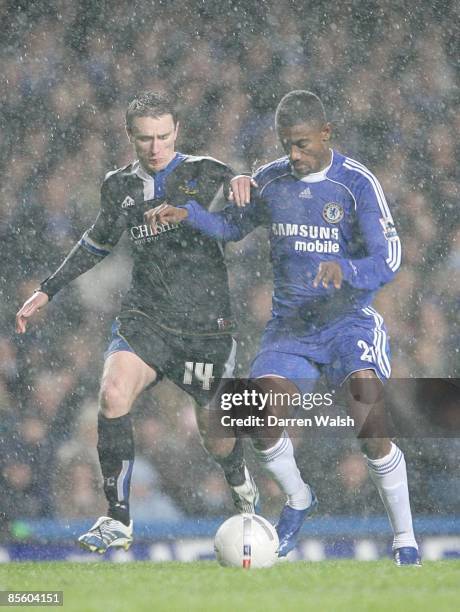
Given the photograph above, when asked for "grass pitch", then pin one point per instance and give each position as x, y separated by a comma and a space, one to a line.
335, 586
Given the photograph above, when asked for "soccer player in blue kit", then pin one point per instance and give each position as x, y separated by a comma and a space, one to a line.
333, 245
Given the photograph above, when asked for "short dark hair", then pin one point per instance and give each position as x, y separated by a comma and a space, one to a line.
299, 106
150, 104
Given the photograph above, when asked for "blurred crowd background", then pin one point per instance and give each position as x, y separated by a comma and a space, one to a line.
388, 76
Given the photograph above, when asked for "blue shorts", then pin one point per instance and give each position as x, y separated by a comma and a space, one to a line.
358, 341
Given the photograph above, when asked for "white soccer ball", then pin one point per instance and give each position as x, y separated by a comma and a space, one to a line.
246, 540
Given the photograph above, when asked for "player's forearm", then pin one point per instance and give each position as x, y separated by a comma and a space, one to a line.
216, 225
78, 261
368, 273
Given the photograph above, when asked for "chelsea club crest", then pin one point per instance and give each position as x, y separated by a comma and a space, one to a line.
333, 212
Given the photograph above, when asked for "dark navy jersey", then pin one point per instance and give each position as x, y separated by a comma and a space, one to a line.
179, 276
338, 214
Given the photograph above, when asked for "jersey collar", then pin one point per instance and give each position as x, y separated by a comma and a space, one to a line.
139, 171
316, 177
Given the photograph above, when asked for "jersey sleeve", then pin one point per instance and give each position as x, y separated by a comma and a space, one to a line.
95, 244
229, 225
382, 243
232, 223
106, 231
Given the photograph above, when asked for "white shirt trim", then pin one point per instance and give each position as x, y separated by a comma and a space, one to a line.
316, 177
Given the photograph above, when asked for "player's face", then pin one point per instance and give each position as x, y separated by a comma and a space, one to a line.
307, 145
154, 139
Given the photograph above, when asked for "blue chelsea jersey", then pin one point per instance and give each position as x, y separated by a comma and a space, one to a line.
339, 213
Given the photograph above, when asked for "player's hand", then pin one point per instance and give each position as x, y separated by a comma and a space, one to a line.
30, 307
329, 272
241, 189
165, 213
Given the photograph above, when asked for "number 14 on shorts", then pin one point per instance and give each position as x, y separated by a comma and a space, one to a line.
200, 371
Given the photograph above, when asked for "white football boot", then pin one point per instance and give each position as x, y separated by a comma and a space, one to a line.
107, 533
246, 496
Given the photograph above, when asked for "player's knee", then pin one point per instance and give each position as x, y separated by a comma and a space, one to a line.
114, 398
219, 448
366, 390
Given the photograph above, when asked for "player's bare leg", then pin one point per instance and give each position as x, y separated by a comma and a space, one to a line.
387, 467
124, 377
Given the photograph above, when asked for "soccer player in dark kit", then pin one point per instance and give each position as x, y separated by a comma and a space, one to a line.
333, 245
175, 320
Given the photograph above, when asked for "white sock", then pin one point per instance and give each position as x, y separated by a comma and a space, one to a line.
390, 477
280, 462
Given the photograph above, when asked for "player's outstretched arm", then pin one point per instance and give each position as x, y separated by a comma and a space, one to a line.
229, 225
218, 225
32, 305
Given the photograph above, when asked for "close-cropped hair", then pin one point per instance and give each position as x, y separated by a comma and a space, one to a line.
150, 104
299, 106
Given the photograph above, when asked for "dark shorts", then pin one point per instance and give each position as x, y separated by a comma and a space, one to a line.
194, 363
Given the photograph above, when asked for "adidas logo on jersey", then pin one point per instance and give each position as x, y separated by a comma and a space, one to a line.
306, 193
128, 202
